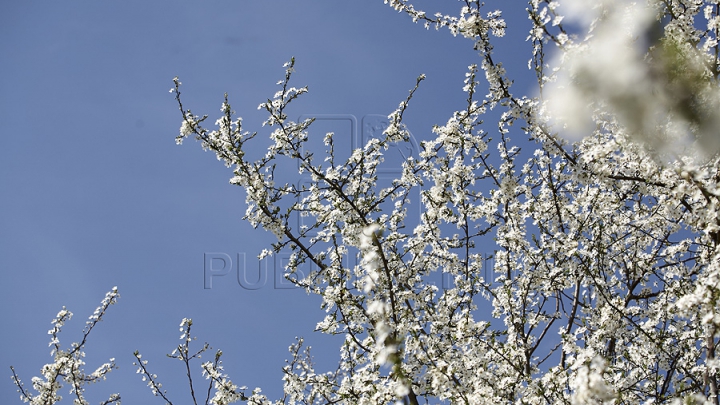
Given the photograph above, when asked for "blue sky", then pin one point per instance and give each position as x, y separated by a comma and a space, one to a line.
96, 194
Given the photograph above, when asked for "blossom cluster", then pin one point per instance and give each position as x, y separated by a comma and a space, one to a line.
659, 82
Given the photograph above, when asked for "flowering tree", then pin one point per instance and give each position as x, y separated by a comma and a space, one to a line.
606, 269
598, 194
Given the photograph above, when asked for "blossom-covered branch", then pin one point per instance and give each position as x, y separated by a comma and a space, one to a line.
68, 364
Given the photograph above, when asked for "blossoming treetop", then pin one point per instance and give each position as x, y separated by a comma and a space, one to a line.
597, 193
606, 265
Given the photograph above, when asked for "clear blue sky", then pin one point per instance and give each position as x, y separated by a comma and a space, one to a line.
94, 193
